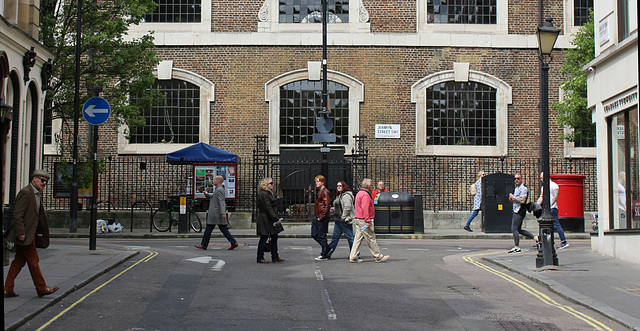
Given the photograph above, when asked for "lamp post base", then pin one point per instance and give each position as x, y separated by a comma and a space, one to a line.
546, 248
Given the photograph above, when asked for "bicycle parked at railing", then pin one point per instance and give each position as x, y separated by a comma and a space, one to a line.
167, 216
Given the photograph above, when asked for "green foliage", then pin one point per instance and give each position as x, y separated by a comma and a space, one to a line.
121, 67
573, 111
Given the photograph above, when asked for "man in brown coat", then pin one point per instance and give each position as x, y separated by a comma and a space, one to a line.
29, 214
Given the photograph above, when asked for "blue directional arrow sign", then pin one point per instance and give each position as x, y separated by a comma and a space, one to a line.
96, 110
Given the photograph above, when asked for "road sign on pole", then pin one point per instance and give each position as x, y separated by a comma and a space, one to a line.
96, 110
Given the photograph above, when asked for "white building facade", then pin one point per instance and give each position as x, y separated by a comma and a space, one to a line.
612, 80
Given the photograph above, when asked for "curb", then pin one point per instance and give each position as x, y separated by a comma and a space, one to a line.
629, 321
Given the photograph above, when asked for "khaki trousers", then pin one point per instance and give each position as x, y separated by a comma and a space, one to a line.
369, 235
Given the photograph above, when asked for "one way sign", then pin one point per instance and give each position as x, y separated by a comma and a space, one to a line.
96, 110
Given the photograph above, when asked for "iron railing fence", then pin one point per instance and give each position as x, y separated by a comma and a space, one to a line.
442, 181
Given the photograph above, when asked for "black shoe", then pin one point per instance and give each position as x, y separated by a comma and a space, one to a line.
468, 228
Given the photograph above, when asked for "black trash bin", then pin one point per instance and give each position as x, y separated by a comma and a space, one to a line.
497, 211
394, 213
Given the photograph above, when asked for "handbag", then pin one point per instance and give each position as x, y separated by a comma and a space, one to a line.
39, 240
267, 245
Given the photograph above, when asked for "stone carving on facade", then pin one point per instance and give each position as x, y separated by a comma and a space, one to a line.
363, 13
263, 13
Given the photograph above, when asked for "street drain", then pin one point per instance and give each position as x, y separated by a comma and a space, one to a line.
525, 326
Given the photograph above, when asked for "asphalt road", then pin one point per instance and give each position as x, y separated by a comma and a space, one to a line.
425, 285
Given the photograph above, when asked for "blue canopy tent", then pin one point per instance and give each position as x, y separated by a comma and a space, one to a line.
201, 153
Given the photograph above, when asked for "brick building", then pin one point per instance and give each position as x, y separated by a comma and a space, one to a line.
450, 79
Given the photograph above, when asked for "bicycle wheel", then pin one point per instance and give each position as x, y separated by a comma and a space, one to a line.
161, 220
194, 219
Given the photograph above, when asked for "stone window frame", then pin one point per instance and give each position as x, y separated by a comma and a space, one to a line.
569, 29
272, 96
268, 20
462, 73
181, 6
570, 149
501, 27
165, 71
167, 28
56, 133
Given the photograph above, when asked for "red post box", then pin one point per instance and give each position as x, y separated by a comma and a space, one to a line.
570, 201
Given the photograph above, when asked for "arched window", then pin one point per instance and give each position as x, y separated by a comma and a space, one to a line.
294, 100
176, 120
461, 113
299, 103
181, 120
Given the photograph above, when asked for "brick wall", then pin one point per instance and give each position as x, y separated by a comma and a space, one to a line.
240, 112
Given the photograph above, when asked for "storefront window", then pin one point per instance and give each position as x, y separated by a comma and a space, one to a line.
625, 165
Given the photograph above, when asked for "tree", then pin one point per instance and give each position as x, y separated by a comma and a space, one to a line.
121, 67
573, 110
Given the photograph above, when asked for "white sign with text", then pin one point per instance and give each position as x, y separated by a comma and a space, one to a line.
387, 130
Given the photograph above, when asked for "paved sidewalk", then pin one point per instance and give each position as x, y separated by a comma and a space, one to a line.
609, 286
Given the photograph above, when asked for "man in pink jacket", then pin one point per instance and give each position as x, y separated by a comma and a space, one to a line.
363, 224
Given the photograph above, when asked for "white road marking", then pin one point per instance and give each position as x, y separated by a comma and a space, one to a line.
218, 266
136, 248
201, 259
331, 314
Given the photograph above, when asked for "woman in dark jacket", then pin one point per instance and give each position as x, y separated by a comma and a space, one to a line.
269, 225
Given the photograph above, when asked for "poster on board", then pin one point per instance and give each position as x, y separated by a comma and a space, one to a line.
62, 179
203, 175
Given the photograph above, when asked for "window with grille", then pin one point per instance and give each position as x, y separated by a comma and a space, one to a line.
310, 11
177, 120
461, 114
461, 11
299, 103
585, 142
581, 11
175, 11
48, 127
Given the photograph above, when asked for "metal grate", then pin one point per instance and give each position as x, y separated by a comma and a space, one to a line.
310, 11
175, 11
581, 10
299, 102
461, 114
525, 326
177, 120
461, 11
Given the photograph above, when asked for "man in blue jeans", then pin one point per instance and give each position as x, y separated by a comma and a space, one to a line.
553, 202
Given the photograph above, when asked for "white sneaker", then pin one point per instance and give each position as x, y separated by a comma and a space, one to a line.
515, 251
382, 258
563, 245
356, 260
321, 258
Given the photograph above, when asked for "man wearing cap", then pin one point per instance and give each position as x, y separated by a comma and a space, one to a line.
29, 214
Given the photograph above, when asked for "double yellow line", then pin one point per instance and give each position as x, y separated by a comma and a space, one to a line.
540, 296
150, 256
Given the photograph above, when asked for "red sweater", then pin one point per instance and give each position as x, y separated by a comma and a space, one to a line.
364, 206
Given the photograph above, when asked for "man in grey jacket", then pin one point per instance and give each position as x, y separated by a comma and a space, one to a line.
217, 215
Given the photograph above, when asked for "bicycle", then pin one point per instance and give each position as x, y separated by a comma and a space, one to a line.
167, 216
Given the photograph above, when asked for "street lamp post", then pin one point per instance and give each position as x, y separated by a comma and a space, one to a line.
547, 36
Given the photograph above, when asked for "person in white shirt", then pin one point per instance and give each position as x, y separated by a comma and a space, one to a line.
553, 203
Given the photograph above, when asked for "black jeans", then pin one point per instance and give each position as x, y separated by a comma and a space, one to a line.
319, 229
223, 228
274, 247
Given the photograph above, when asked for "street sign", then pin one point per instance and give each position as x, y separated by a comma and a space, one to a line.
96, 110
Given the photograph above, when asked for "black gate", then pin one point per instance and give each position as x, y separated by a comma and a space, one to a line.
294, 170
